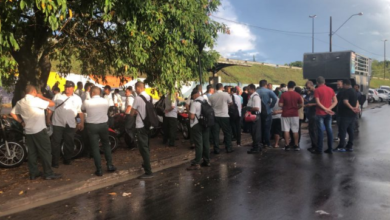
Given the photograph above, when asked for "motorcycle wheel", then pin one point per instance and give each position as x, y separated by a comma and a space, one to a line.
185, 129
78, 147
112, 141
18, 154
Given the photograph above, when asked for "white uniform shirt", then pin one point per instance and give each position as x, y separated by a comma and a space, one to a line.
129, 102
254, 101
168, 105
96, 108
31, 109
205, 97
118, 100
219, 101
140, 106
195, 108
66, 113
79, 92
237, 99
110, 100
276, 108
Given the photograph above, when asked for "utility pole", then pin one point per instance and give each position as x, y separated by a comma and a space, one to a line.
312, 17
330, 35
384, 60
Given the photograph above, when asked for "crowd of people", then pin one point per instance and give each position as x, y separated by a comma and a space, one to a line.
261, 111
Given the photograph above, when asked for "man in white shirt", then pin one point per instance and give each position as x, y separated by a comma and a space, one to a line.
139, 109
30, 112
86, 95
236, 123
110, 97
118, 100
97, 128
254, 106
67, 107
79, 91
199, 134
220, 101
130, 120
170, 119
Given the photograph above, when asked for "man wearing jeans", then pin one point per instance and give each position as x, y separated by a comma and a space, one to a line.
269, 99
348, 109
326, 100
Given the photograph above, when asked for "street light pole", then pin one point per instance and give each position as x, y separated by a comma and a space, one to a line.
312, 17
332, 33
384, 60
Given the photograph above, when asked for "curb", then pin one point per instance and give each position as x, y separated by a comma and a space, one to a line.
93, 183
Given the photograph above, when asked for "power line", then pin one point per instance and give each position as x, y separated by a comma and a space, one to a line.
267, 29
358, 46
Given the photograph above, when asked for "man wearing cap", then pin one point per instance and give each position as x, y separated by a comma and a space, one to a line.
30, 112
199, 134
67, 107
97, 128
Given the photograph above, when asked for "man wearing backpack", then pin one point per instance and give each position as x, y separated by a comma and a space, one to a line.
235, 123
220, 102
139, 109
199, 133
268, 98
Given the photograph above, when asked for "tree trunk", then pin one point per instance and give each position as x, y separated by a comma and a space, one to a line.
31, 72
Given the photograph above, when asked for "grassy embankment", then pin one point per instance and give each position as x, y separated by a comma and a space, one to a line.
274, 75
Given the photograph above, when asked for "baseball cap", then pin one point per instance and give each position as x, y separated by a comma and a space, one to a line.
69, 84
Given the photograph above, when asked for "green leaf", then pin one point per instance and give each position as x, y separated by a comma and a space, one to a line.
22, 4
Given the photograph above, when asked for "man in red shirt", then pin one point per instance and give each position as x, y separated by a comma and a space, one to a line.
326, 100
290, 102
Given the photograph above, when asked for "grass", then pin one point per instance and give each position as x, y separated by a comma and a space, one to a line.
276, 76
255, 73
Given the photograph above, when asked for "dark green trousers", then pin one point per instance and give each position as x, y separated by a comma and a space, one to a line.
65, 134
143, 146
98, 132
170, 129
224, 124
200, 137
39, 145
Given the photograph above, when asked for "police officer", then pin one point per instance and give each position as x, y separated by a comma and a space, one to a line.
67, 107
97, 128
170, 120
254, 106
139, 109
32, 111
200, 135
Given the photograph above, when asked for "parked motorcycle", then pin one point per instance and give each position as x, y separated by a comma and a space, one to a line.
12, 154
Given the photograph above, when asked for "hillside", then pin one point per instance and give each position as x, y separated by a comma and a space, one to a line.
273, 75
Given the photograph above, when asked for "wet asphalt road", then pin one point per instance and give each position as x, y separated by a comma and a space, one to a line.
275, 185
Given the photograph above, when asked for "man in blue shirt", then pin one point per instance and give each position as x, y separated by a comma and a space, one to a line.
268, 98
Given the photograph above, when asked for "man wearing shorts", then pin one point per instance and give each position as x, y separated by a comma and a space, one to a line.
290, 102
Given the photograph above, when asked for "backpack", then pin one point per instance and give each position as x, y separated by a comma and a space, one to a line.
160, 106
151, 119
233, 110
207, 116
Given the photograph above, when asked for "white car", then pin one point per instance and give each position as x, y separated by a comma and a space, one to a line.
374, 94
383, 94
385, 87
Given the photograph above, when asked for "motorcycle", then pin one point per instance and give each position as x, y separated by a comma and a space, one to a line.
183, 122
118, 130
12, 154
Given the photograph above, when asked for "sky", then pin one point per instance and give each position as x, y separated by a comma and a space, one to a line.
246, 18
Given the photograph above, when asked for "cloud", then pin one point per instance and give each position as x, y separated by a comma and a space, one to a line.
241, 43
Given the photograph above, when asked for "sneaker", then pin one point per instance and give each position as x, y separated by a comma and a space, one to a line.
194, 167
341, 149
336, 139
329, 151
296, 148
146, 176
53, 176
314, 151
287, 148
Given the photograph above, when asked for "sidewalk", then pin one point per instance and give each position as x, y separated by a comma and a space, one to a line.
18, 193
